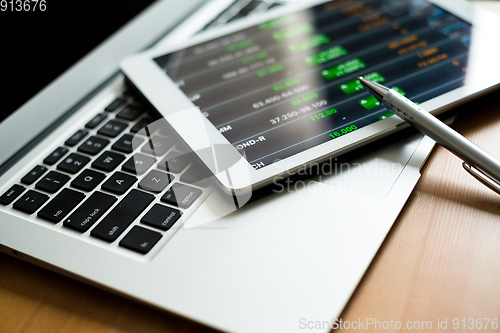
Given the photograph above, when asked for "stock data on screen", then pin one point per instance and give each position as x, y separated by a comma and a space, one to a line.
284, 86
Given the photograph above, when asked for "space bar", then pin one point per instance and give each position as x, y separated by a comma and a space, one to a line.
127, 210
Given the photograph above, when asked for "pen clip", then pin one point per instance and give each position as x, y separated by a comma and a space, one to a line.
482, 177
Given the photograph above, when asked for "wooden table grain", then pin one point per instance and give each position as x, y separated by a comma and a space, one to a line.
442, 257
440, 261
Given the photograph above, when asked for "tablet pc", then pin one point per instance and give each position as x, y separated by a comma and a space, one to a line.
273, 93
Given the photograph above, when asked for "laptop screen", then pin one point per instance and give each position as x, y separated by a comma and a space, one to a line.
41, 43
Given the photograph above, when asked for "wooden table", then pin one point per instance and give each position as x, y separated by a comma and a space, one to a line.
440, 260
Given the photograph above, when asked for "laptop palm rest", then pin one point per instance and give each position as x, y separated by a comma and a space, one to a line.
291, 255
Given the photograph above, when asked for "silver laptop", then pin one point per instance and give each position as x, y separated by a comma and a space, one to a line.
87, 189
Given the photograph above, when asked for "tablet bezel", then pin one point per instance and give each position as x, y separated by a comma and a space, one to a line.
199, 133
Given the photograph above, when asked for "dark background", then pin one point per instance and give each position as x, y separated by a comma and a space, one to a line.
36, 47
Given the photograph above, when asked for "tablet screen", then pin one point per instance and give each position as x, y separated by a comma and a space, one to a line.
284, 86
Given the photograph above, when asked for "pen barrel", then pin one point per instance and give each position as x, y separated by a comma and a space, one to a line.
443, 134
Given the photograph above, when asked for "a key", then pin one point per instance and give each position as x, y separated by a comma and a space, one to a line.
55, 156
30, 201
127, 143
93, 145
96, 121
120, 217
119, 183
155, 181
181, 195
11, 194
108, 161
130, 112
140, 240
75, 138
61, 205
112, 128
73, 163
115, 104
156, 146
52, 182
89, 212
198, 175
34, 174
138, 164
175, 161
161, 217
88, 180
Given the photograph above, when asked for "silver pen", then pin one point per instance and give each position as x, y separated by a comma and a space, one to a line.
476, 161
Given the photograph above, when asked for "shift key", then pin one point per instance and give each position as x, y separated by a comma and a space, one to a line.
127, 210
89, 212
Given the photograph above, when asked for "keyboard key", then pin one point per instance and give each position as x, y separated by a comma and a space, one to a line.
52, 182
127, 143
89, 212
96, 121
166, 129
11, 194
127, 210
181, 195
93, 145
130, 93
140, 240
161, 217
77, 137
155, 181
88, 180
73, 163
61, 205
115, 104
198, 175
30, 202
154, 125
108, 161
55, 156
119, 183
157, 146
175, 162
130, 112
138, 164
34, 174
112, 128
141, 124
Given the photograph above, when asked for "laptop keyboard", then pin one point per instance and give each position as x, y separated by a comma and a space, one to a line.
122, 164
115, 167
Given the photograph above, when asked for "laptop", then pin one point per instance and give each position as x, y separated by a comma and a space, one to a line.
83, 193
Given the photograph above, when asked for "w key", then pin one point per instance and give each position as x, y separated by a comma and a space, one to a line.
61, 205
108, 161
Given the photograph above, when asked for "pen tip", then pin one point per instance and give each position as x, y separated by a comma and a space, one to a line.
375, 88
